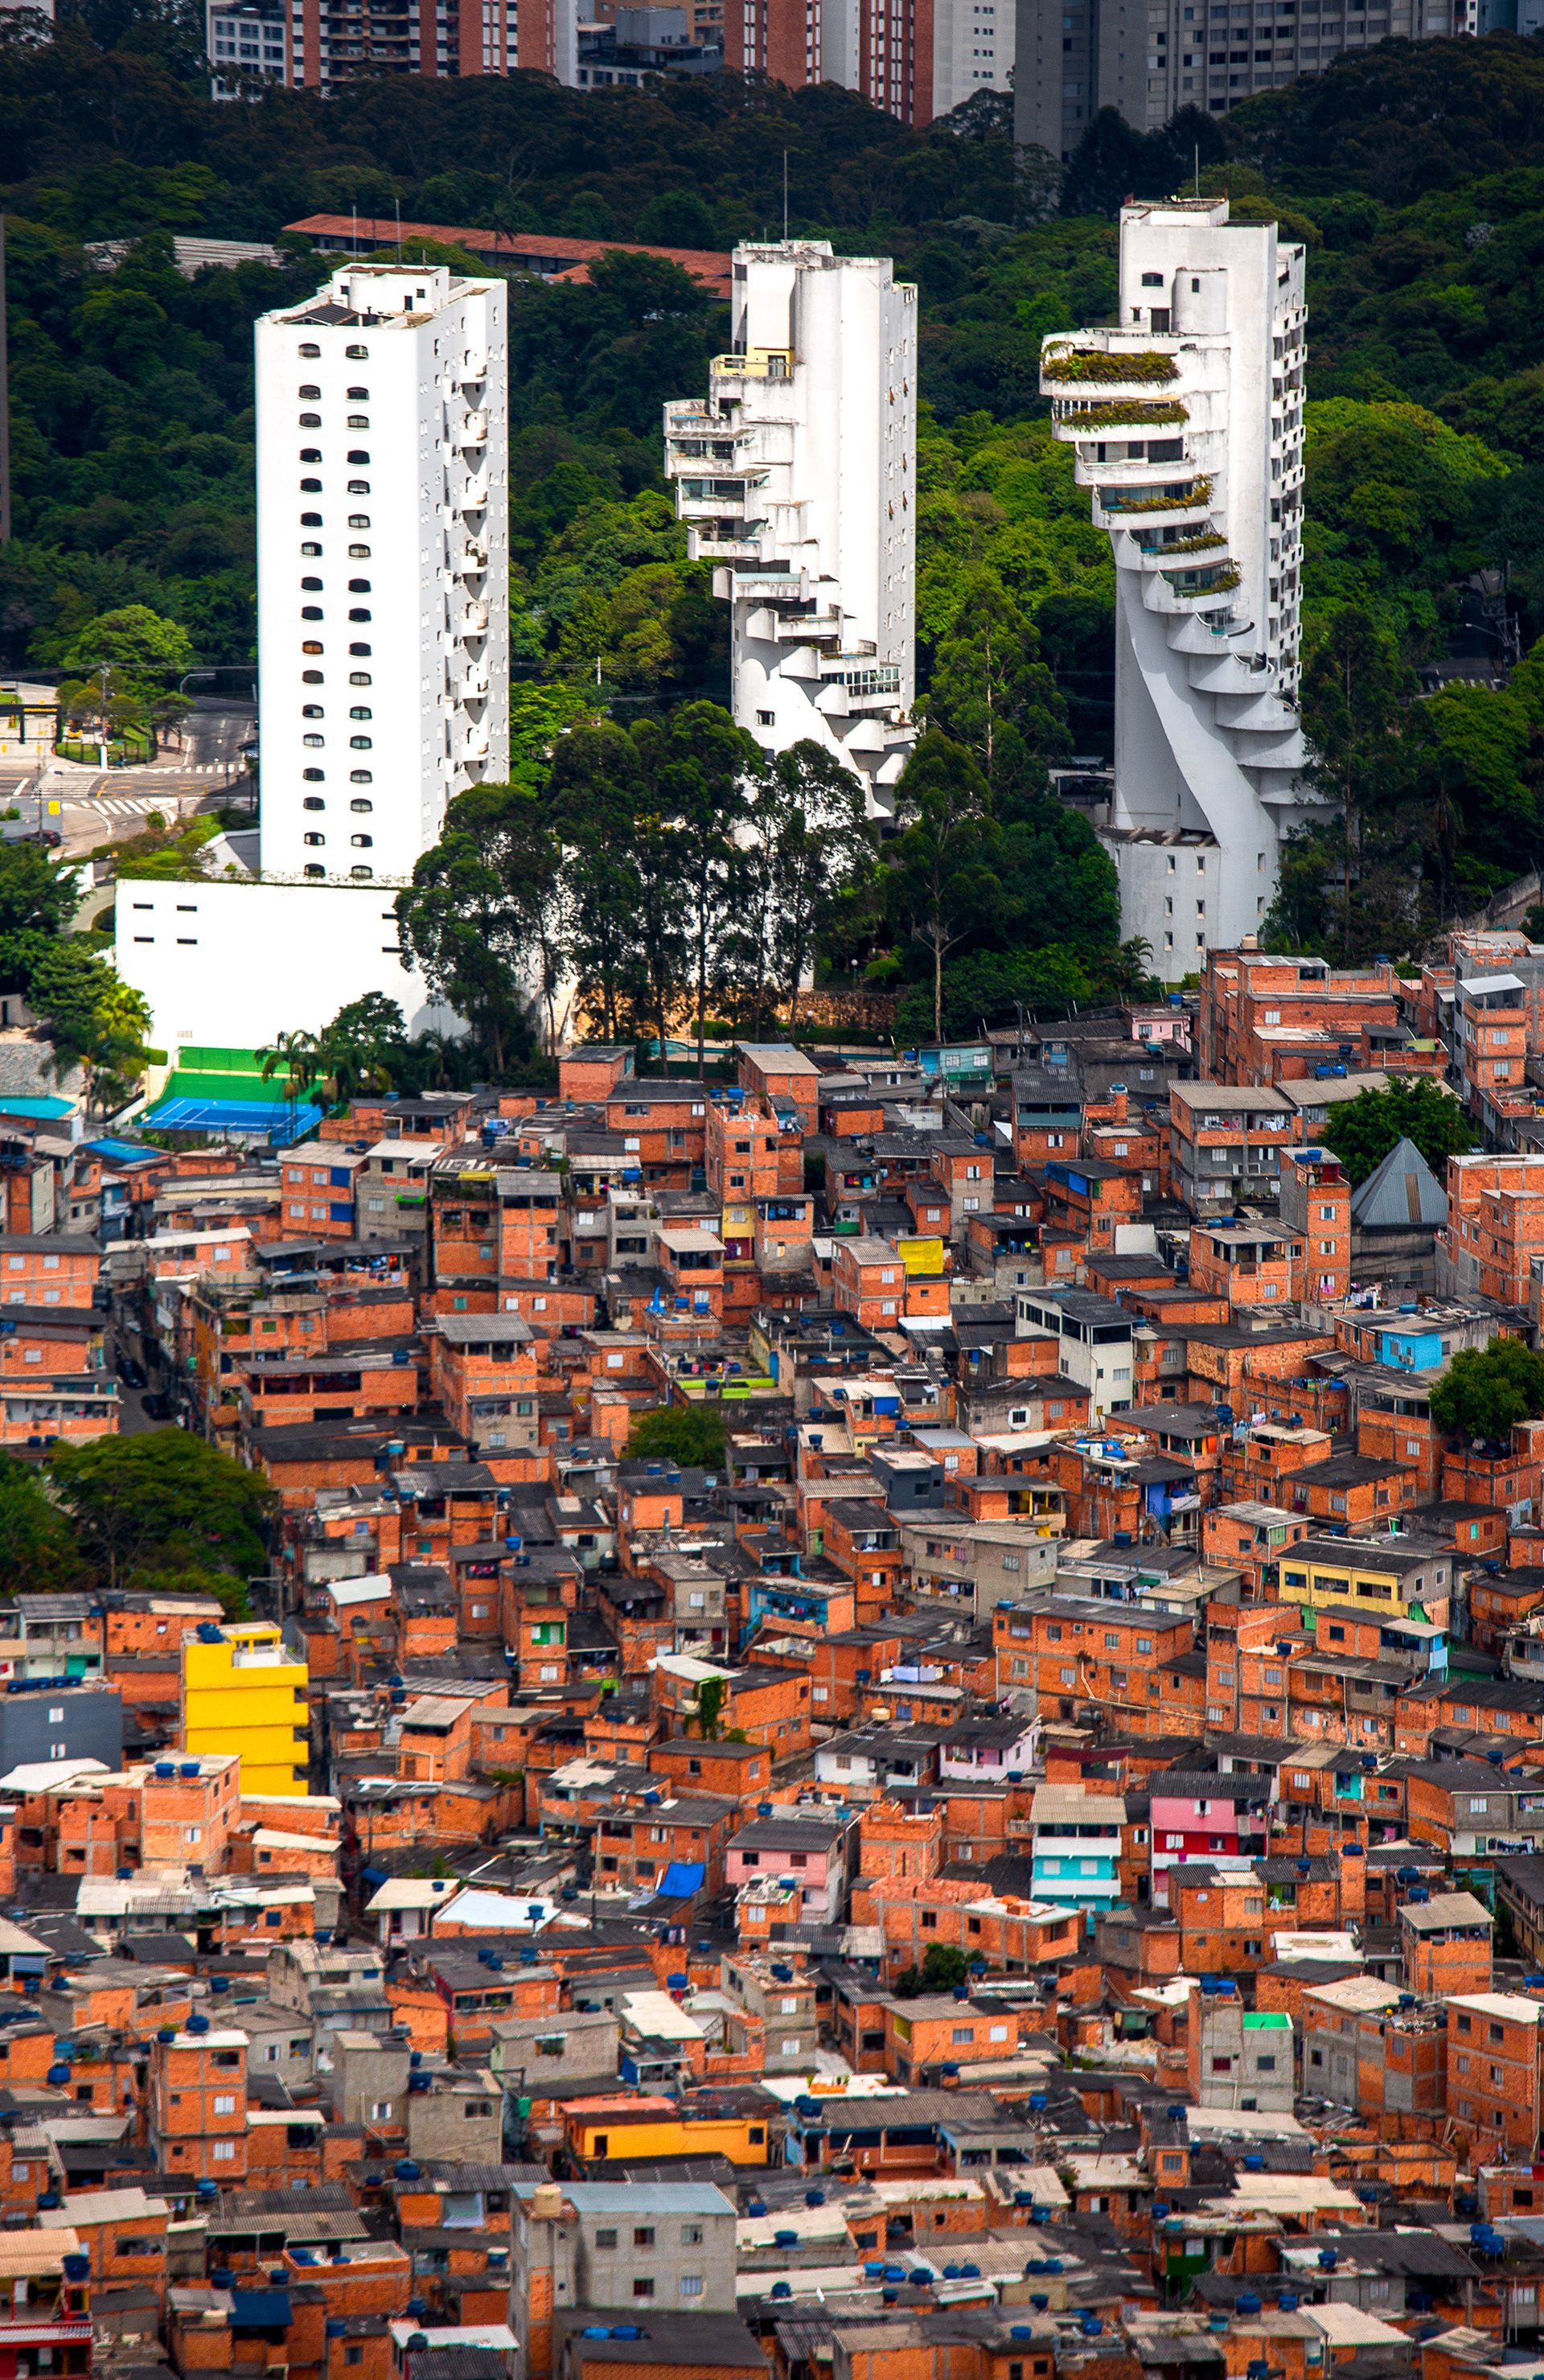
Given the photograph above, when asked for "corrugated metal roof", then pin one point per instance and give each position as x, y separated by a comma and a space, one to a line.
1400, 1193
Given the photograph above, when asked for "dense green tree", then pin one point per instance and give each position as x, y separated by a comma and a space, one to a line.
943, 880
1363, 1130
38, 1548
989, 691
594, 801
803, 855
693, 1435
990, 988
374, 1033
943, 1969
162, 1501
38, 893
93, 1019
699, 767
474, 916
1486, 1390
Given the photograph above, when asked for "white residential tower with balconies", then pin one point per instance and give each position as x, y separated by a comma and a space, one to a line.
382, 566
384, 643
798, 475
1187, 421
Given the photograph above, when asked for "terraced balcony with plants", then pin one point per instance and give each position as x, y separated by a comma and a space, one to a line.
1107, 367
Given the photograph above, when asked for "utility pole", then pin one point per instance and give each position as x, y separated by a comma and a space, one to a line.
4, 412
102, 741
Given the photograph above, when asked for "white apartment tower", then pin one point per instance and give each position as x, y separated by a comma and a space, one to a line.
383, 633
1187, 425
382, 566
797, 474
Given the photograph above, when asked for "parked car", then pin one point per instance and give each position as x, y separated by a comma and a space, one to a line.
158, 1406
132, 1372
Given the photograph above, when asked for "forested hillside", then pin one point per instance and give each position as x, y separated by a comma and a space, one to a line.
1415, 174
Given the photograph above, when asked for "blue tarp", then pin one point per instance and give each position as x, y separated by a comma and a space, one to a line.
680, 1880
280, 1121
259, 2309
122, 1150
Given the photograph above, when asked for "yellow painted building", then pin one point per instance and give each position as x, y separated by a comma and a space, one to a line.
1385, 1577
243, 1692
603, 2130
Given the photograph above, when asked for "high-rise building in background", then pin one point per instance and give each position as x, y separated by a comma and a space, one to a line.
383, 638
1150, 59
382, 564
916, 59
798, 475
1186, 422
319, 43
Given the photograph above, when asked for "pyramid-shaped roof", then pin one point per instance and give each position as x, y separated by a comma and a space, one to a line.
1400, 1193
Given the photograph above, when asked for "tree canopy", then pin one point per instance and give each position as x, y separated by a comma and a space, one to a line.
1363, 1130
1486, 1390
680, 1434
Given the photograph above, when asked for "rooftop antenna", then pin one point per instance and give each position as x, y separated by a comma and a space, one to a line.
398, 198
784, 197
1197, 169
354, 211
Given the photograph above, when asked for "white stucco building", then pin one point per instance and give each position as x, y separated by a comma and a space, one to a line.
383, 638
382, 564
797, 475
1187, 423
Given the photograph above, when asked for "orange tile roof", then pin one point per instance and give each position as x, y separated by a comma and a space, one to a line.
544, 252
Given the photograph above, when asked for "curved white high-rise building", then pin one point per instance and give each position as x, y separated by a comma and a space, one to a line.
797, 473
1186, 418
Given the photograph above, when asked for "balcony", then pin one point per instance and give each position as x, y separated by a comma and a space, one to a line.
688, 454
1111, 372
474, 431
1131, 507
759, 363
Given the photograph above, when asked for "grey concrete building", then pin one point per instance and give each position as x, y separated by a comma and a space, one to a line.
61, 1723
580, 2244
532, 2052
1149, 61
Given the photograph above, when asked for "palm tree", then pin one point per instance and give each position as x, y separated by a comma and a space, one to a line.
344, 1066
295, 1056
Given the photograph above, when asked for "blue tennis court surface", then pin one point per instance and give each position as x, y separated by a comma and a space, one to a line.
281, 1121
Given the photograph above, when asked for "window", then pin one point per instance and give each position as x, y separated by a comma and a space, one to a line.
643, 2235
602, 2239
643, 2288
691, 2235
691, 2284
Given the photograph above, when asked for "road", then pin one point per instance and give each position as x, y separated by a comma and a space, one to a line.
214, 731
132, 1416
102, 806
